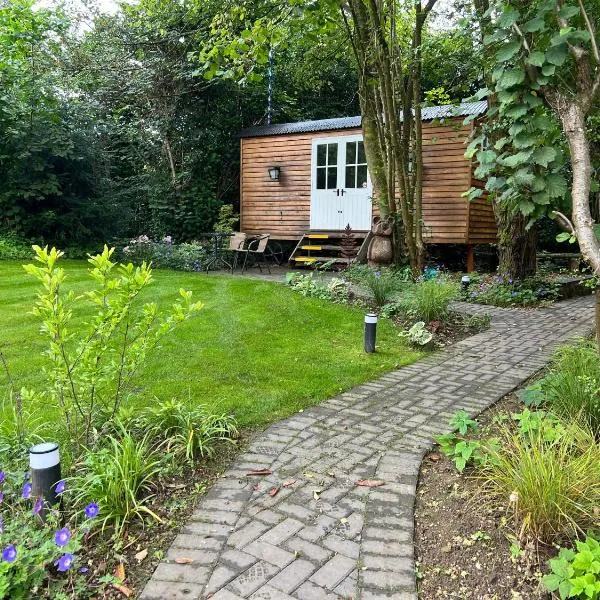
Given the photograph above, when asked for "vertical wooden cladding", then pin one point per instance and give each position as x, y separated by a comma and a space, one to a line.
283, 208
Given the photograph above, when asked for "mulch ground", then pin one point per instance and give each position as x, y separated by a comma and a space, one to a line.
463, 542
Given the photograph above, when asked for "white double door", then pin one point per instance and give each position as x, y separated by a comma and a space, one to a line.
340, 184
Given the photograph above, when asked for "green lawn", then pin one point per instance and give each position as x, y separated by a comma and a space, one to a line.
256, 349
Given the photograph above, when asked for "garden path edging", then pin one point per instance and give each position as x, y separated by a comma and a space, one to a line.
323, 536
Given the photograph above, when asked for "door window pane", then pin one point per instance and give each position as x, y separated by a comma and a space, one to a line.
322, 155
332, 154
332, 177
361, 176
321, 173
362, 157
351, 153
350, 177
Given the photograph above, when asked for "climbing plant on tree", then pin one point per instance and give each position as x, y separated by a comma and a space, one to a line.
547, 72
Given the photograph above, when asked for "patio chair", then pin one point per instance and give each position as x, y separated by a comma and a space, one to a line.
256, 248
237, 243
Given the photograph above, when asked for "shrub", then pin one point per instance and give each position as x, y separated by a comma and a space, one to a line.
188, 433
39, 557
428, 300
92, 365
188, 256
382, 286
13, 247
119, 476
506, 292
553, 487
572, 388
227, 220
576, 574
336, 290
418, 334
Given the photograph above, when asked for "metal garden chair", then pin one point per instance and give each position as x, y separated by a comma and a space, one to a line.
256, 248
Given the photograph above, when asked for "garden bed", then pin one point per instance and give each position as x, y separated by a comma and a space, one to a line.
462, 548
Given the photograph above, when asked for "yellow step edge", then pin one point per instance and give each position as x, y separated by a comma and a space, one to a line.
304, 259
311, 247
317, 236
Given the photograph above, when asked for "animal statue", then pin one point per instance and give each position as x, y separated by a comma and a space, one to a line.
380, 251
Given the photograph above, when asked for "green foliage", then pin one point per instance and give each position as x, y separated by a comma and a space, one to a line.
32, 573
552, 481
572, 387
418, 334
227, 220
463, 423
120, 476
12, 247
311, 285
187, 256
382, 285
189, 433
576, 574
90, 367
499, 291
428, 300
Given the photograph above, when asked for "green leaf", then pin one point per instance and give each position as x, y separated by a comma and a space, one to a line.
544, 156
566, 12
517, 111
552, 582
536, 58
556, 186
501, 143
526, 207
512, 77
548, 69
508, 51
535, 24
562, 237
517, 159
524, 177
557, 55
508, 18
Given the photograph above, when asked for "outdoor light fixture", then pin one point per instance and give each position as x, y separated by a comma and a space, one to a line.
275, 173
44, 461
465, 282
370, 332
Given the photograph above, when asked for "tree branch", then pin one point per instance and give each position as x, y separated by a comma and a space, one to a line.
590, 28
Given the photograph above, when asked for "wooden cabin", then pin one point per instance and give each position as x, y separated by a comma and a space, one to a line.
306, 181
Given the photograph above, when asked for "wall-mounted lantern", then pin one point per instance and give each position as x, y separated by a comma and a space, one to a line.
274, 173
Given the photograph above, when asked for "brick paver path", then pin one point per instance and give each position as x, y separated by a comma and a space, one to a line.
321, 535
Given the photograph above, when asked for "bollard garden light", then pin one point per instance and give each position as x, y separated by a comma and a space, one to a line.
465, 282
44, 461
370, 332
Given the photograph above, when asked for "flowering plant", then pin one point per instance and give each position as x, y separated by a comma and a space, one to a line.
38, 550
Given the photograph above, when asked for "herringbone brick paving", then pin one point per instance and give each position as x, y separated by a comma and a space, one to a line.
323, 536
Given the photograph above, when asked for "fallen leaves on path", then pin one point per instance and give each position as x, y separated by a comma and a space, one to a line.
260, 472
288, 482
273, 491
182, 560
141, 555
370, 482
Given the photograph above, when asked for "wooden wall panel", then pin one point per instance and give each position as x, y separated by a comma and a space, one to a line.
283, 208
482, 222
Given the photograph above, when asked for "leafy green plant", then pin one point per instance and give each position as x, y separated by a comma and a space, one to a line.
463, 423
576, 574
188, 432
186, 256
539, 423
572, 387
120, 476
91, 366
227, 220
382, 286
499, 291
39, 557
553, 487
418, 334
312, 285
12, 247
428, 300
462, 451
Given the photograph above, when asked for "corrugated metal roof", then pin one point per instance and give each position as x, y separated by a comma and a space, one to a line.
429, 113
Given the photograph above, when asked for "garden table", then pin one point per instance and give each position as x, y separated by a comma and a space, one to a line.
218, 251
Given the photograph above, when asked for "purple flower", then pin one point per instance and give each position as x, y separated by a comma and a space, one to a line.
83, 569
377, 274
2, 476
26, 490
92, 510
9, 554
60, 487
62, 537
1, 523
38, 506
64, 562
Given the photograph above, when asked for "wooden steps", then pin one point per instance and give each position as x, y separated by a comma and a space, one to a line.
318, 248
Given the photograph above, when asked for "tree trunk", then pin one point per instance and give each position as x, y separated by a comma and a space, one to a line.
517, 246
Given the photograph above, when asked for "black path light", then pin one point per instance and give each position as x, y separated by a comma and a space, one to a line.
370, 332
44, 461
465, 282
